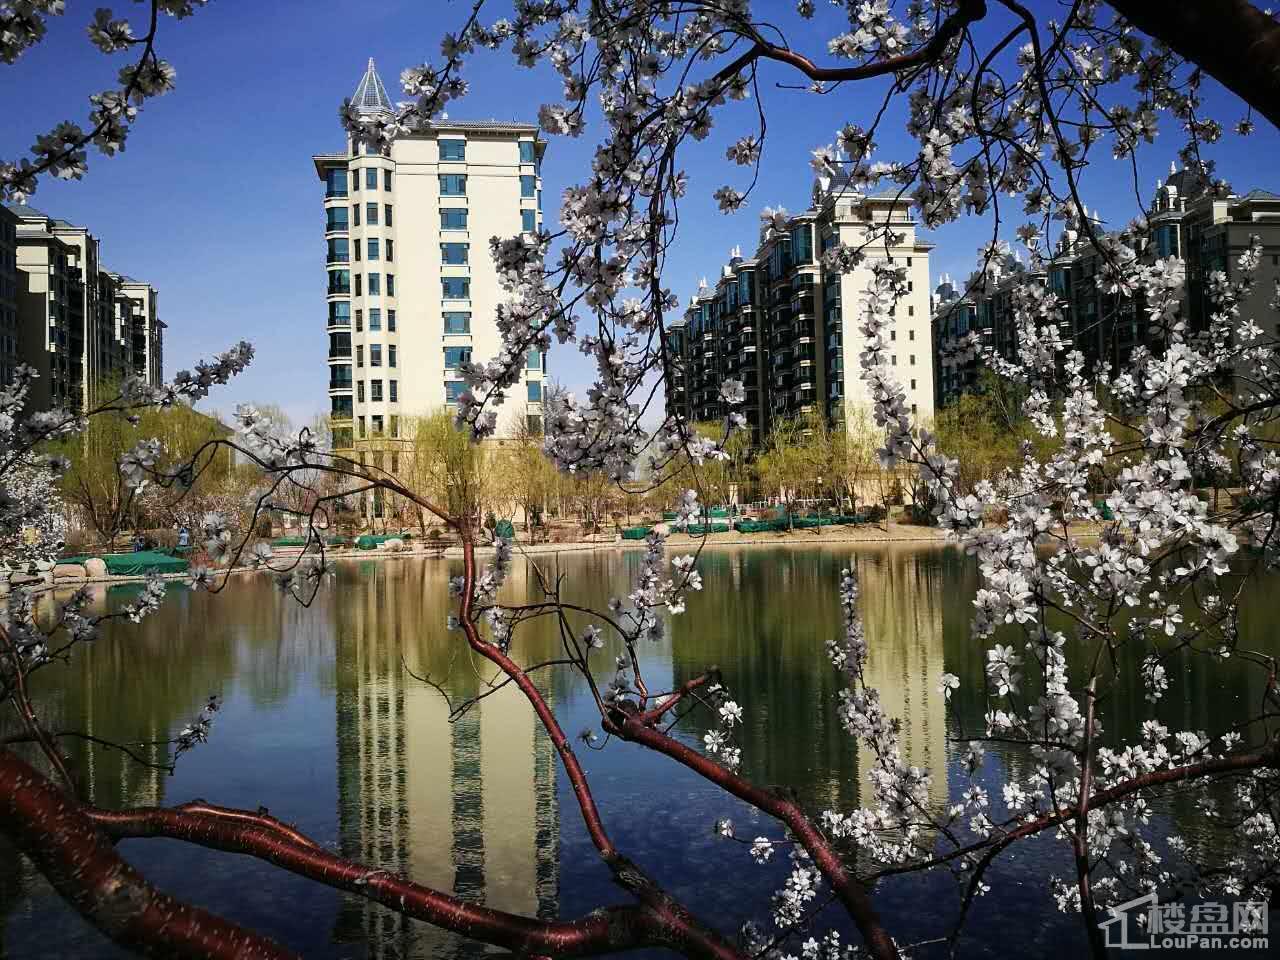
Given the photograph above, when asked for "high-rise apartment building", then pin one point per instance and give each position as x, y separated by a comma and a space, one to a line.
70, 311
787, 326
411, 289
1208, 232
139, 329
9, 355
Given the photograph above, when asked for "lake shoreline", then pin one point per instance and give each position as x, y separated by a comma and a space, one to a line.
821, 536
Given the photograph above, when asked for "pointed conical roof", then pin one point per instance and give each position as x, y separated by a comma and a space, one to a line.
371, 95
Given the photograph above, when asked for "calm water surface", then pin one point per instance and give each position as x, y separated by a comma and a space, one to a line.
322, 724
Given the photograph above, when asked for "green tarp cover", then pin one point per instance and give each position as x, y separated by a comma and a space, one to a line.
145, 561
698, 529
504, 528
289, 542
636, 533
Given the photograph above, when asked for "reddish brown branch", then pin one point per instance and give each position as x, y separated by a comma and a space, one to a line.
569, 760
84, 867
672, 700
969, 11
850, 891
611, 929
680, 925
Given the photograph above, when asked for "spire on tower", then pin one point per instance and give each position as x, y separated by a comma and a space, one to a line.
371, 95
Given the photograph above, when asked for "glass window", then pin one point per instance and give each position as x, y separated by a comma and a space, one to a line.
340, 407
375, 391
371, 214
358, 248
453, 149
453, 218
528, 185
335, 182
528, 220
340, 313
375, 354
456, 288
359, 321
355, 214
454, 253
360, 391
391, 249
355, 179
391, 321
526, 151
453, 184
456, 355
452, 390
339, 281
391, 357
386, 180
386, 214
340, 377
375, 284
375, 423
335, 218
535, 360
375, 318
371, 179
338, 250
457, 322
359, 355
535, 390
394, 396
359, 291
373, 248
371, 149
391, 284
802, 243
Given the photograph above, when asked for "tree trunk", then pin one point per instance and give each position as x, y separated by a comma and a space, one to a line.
1232, 40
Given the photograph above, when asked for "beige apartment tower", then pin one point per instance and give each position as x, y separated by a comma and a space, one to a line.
411, 289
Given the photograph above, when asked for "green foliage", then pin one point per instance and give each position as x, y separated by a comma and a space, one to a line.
985, 430
445, 467
95, 489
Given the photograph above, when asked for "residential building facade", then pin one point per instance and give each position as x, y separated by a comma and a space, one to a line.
138, 328
411, 289
788, 327
70, 312
9, 354
1186, 219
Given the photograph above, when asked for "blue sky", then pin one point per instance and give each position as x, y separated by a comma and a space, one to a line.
216, 202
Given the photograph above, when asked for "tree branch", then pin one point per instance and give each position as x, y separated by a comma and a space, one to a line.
1231, 40
84, 867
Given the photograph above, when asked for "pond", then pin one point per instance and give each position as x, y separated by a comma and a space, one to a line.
322, 724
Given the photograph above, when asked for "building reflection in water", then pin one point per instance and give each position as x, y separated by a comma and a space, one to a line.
468, 807
901, 606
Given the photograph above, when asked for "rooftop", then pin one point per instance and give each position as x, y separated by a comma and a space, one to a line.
371, 95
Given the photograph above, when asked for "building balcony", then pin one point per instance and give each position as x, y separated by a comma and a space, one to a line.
339, 291
331, 193
340, 354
